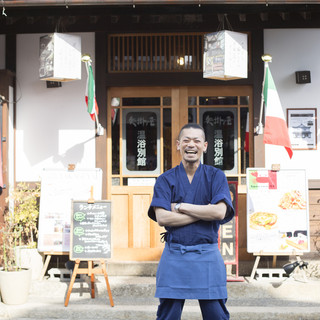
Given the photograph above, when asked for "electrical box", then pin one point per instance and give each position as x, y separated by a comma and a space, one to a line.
303, 77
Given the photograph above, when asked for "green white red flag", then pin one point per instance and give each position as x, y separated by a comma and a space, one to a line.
276, 130
90, 96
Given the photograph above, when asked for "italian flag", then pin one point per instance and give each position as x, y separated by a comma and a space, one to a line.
276, 130
90, 96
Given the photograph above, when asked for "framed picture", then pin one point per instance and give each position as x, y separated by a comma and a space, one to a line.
302, 127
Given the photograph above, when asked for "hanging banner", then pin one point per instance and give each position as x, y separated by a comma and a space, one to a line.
277, 211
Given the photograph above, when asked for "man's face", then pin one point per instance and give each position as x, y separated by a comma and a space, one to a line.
191, 145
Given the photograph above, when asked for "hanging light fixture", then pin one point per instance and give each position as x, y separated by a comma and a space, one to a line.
60, 57
180, 61
225, 55
86, 58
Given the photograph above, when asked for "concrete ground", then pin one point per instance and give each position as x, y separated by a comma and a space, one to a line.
287, 298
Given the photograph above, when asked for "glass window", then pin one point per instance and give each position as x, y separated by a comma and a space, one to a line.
244, 123
147, 101
220, 126
141, 141
192, 115
166, 101
206, 101
167, 139
192, 101
232, 179
244, 100
115, 181
115, 121
155, 52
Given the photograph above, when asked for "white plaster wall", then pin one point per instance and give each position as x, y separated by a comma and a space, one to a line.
295, 50
53, 128
2, 51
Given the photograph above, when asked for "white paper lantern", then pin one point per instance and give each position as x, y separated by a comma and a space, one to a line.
225, 55
60, 57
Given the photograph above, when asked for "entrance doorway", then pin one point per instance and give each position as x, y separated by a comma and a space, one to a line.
143, 124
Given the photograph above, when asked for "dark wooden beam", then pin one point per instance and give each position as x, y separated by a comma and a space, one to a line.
157, 18
11, 52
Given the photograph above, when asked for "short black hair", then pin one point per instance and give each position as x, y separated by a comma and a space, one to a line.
194, 126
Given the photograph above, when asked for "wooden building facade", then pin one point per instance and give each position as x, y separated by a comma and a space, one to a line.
150, 68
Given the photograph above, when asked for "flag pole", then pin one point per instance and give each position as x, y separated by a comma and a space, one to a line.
266, 58
87, 60
99, 126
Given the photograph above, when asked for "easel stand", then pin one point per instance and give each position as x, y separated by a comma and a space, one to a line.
90, 271
47, 260
274, 260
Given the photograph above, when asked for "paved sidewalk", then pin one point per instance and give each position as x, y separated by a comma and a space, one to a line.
133, 299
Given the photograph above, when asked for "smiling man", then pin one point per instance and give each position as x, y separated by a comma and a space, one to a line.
191, 201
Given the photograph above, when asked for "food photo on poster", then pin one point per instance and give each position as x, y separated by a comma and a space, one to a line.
277, 211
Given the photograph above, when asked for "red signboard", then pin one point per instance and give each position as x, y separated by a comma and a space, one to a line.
228, 237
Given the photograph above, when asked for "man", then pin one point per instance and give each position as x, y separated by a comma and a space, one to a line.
191, 201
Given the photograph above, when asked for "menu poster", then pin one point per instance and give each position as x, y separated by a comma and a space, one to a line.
58, 189
90, 230
277, 211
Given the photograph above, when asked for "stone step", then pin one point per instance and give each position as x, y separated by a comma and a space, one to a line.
131, 286
133, 300
85, 309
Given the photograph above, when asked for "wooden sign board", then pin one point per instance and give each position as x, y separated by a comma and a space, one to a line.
277, 211
58, 188
90, 236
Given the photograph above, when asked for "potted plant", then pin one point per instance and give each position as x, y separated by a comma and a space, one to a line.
23, 211
14, 281
19, 232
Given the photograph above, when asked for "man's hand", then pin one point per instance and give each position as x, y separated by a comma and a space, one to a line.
204, 212
173, 209
172, 218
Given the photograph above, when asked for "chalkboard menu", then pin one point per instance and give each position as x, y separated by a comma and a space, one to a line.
90, 237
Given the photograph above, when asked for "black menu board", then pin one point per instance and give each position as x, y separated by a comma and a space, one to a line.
90, 236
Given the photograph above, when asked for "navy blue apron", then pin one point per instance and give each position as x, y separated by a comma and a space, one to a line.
191, 272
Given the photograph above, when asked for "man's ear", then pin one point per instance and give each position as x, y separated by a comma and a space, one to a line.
205, 147
178, 144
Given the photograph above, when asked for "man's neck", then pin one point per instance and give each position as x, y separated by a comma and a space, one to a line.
191, 168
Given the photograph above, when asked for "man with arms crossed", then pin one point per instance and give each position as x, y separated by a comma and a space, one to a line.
191, 201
